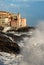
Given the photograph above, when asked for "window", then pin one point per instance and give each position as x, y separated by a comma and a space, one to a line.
15, 17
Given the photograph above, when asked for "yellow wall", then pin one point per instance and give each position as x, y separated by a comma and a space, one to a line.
4, 16
23, 22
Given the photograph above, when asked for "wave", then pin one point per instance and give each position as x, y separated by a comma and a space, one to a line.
32, 48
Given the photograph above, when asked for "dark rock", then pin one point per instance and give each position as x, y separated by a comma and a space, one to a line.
1, 28
7, 45
22, 29
25, 35
25, 29
15, 37
10, 48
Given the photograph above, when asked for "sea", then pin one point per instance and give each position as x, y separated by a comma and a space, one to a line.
32, 48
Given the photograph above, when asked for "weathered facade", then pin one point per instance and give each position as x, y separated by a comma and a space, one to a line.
13, 20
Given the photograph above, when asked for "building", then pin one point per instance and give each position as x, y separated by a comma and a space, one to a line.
13, 20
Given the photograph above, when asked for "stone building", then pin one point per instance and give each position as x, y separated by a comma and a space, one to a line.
13, 20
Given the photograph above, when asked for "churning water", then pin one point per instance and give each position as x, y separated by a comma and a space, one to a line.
32, 50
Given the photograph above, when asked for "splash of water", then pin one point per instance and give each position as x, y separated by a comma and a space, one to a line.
32, 51
6, 29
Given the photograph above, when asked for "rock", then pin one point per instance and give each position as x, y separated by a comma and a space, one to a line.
1, 28
6, 45
25, 29
15, 37
9, 47
22, 29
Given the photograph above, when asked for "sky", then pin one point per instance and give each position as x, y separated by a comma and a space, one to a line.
32, 10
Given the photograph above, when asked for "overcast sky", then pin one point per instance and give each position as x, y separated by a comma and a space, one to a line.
32, 10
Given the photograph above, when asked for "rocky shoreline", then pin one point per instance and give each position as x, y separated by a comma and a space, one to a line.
6, 45
6, 40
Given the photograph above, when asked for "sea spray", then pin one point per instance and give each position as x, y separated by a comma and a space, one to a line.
32, 50
6, 29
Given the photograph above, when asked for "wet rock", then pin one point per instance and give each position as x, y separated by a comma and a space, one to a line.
25, 29
22, 29
9, 48
1, 28
6, 45
15, 37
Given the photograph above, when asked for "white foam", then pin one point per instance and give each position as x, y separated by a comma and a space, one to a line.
6, 29
32, 52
